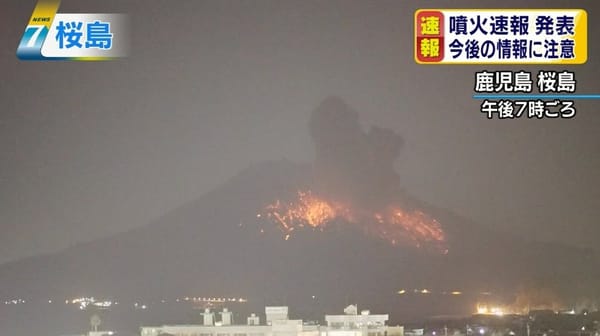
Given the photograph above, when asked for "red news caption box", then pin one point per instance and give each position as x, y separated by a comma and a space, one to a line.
429, 36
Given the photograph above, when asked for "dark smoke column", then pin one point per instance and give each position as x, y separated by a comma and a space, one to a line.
352, 165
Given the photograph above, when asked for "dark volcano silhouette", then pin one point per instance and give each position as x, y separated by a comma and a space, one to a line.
214, 246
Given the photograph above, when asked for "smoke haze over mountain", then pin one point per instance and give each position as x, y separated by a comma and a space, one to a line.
104, 147
220, 245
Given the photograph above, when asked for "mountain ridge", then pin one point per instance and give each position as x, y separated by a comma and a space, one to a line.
183, 252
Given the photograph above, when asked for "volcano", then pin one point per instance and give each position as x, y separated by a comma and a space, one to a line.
231, 243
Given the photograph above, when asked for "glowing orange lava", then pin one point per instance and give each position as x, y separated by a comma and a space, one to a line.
393, 224
306, 210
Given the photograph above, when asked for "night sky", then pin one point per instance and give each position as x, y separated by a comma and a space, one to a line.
88, 149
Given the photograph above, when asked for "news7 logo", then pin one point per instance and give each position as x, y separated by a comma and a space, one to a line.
34, 35
71, 35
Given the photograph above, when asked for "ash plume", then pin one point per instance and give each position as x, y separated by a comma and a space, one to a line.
354, 183
350, 164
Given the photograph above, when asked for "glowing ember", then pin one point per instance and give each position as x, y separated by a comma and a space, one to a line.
307, 210
417, 226
393, 224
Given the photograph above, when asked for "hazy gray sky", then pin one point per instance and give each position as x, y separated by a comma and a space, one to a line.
90, 149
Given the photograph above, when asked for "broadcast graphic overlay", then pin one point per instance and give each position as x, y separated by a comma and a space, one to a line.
73, 36
510, 37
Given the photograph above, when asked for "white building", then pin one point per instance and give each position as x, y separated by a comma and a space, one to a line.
279, 324
353, 324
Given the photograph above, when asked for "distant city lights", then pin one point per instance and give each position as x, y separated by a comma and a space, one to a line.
430, 291
83, 303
